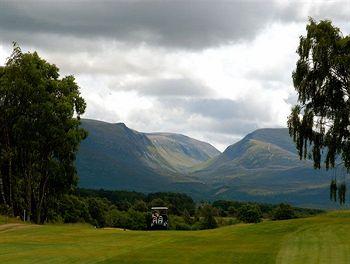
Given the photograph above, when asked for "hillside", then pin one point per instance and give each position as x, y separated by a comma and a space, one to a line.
264, 166
116, 157
321, 239
264, 149
180, 151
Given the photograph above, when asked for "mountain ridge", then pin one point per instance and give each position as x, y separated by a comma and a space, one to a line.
264, 166
114, 156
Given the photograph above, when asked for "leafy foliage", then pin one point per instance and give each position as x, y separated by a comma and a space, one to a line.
232, 208
101, 211
39, 134
320, 122
249, 214
177, 202
208, 212
283, 212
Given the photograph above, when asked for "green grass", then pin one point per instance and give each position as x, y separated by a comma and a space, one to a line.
321, 239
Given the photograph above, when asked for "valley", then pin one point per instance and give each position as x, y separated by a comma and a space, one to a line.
263, 166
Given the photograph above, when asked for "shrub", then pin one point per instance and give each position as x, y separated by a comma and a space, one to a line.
5, 210
136, 220
187, 218
98, 209
158, 202
116, 218
71, 209
232, 211
283, 212
183, 226
140, 206
208, 212
249, 213
175, 222
225, 221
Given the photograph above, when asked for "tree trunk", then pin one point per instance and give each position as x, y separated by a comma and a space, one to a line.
2, 190
41, 201
28, 176
10, 182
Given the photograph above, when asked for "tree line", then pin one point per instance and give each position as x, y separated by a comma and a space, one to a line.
131, 210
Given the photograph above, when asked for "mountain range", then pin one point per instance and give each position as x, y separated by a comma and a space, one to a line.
263, 166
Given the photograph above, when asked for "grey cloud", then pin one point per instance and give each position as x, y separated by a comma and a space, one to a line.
176, 24
292, 99
180, 87
175, 116
184, 24
276, 75
226, 109
223, 116
235, 126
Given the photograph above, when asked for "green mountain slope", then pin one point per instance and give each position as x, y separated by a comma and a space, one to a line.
180, 151
116, 157
264, 166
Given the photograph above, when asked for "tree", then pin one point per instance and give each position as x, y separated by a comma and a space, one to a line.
140, 206
283, 211
187, 217
98, 209
249, 213
208, 212
232, 211
39, 134
320, 122
158, 202
71, 209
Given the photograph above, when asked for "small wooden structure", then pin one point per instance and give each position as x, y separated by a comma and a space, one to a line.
159, 218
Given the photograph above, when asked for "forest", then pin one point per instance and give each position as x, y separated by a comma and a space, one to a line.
131, 210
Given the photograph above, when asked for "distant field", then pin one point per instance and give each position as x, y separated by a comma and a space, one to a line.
320, 239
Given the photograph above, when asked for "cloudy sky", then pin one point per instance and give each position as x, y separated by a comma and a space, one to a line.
213, 70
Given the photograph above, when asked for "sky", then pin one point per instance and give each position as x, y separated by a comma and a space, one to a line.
212, 70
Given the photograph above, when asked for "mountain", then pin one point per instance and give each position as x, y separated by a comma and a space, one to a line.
180, 151
114, 156
264, 166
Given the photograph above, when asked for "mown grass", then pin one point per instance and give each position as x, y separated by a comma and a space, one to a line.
321, 239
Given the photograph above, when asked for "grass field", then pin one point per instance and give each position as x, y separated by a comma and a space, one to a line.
321, 239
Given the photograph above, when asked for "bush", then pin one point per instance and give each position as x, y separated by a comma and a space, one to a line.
5, 210
208, 212
183, 226
225, 221
283, 212
136, 220
197, 226
187, 218
71, 209
131, 219
98, 209
158, 202
232, 211
176, 202
116, 218
140, 206
175, 222
249, 214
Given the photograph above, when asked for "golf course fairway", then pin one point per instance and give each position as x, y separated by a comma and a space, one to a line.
320, 239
